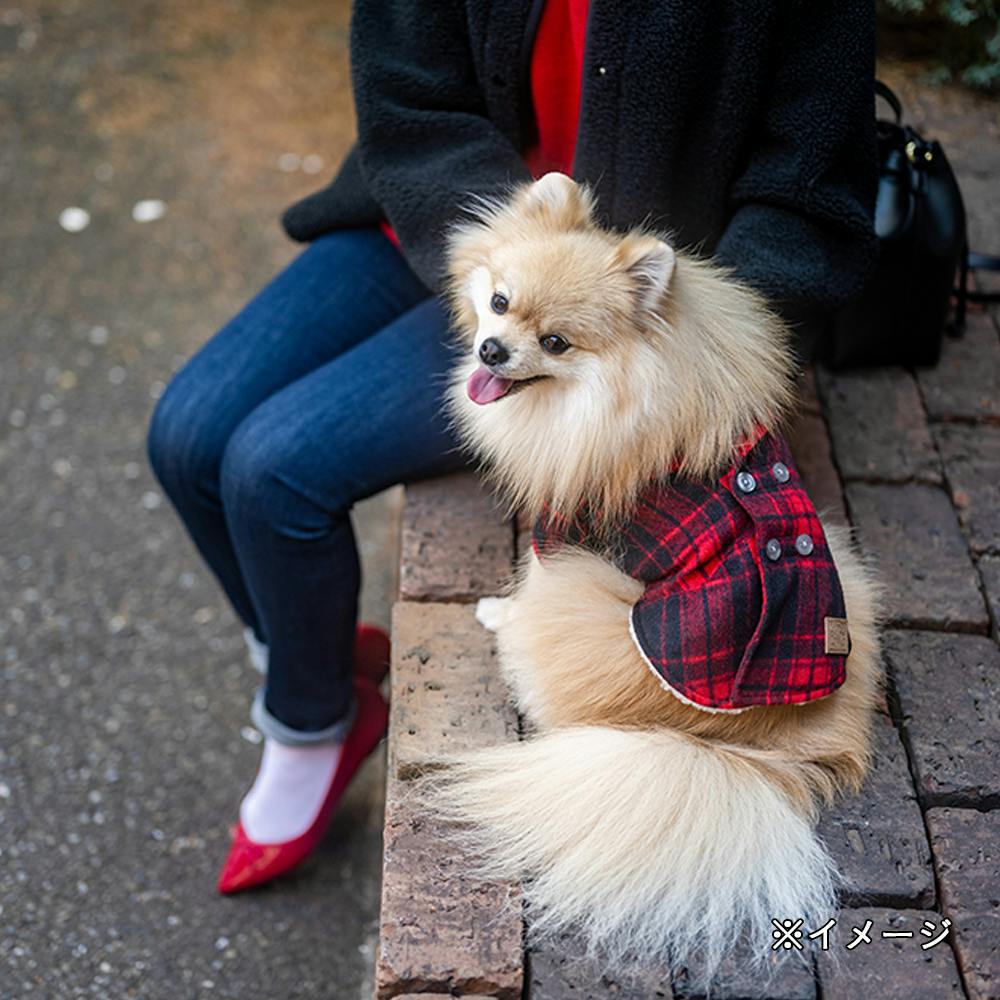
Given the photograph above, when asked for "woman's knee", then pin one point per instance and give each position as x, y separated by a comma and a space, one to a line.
269, 488
183, 442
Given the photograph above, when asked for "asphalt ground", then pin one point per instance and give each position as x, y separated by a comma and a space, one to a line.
124, 687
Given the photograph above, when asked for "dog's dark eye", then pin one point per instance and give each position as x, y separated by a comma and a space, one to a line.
499, 303
554, 344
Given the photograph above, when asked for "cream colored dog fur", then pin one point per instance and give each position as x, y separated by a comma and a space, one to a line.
647, 827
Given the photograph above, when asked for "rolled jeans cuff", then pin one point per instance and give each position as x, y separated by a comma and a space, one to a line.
276, 730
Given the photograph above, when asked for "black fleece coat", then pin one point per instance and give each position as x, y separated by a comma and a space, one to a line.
744, 128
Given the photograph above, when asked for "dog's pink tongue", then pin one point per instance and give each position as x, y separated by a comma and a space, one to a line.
485, 387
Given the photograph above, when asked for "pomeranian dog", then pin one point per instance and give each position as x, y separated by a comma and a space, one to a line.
695, 653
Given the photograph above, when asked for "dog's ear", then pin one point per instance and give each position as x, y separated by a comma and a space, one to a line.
649, 264
559, 200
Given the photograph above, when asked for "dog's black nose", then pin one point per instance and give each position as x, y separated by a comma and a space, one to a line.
492, 352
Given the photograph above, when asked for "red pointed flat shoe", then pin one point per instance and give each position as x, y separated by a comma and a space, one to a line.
249, 863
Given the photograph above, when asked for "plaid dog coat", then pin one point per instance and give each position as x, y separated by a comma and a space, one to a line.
743, 605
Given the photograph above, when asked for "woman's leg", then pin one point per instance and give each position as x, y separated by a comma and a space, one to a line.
291, 471
339, 291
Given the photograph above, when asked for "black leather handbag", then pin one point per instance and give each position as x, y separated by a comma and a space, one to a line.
920, 223
901, 316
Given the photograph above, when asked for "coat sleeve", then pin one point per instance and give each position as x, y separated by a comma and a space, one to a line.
425, 142
801, 227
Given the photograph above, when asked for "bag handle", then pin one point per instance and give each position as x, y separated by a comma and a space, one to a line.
888, 95
983, 262
972, 262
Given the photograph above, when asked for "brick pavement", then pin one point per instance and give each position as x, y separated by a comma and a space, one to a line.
913, 462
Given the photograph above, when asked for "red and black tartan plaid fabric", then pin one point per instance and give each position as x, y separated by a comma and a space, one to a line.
738, 583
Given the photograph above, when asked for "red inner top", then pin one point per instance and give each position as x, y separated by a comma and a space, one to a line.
556, 77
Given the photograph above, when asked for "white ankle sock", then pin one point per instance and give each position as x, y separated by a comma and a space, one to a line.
257, 650
288, 791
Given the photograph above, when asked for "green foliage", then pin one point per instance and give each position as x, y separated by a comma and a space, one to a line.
962, 36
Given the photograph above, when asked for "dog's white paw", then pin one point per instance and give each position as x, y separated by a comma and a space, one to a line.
491, 612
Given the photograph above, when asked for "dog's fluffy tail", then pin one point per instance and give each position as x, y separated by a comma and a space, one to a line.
646, 844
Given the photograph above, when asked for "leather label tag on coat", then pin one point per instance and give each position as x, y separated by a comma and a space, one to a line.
838, 639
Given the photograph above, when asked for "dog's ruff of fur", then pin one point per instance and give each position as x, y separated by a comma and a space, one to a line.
649, 828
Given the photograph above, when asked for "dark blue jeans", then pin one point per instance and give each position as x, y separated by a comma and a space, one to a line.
325, 389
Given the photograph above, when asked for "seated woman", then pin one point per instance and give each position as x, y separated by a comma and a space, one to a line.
745, 129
